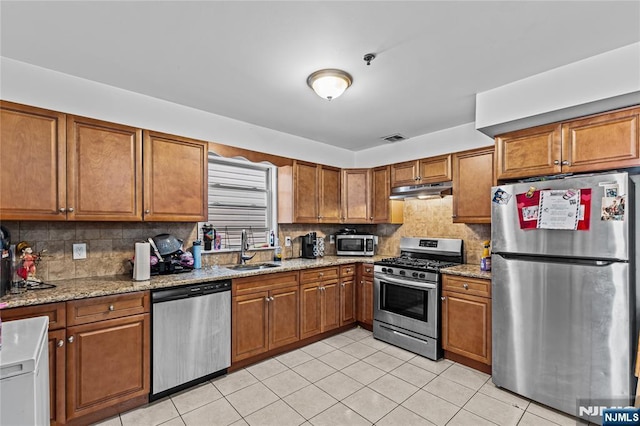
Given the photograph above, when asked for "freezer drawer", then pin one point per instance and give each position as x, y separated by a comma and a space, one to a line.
562, 332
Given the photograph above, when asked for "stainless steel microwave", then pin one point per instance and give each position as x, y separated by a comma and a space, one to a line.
355, 245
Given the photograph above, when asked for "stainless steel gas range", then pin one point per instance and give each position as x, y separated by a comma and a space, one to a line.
407, 292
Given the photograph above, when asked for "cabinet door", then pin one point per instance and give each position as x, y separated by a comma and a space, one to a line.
466, 326
384, 210
310, 318
250, 325
175, 178
529, 152
329, 210
355, 196
103, 158
330, 305
57, 366
403, 174
347, 301
472, 181
107, 363
435, 169
32, 163
284, 306
365, 301
305, 187
602, 142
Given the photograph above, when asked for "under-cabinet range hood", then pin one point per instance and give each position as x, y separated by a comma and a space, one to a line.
422, 191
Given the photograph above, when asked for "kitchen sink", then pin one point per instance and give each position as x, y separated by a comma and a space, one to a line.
253, 266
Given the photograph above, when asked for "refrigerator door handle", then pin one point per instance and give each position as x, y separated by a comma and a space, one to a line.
566, 260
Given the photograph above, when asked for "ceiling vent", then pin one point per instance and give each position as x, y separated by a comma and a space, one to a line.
397, 137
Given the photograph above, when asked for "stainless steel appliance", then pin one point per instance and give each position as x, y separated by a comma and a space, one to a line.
191, 339
309, 248
355, 245
564, 308
406, 310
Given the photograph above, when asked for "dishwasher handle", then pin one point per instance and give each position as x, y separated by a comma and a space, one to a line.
193, 290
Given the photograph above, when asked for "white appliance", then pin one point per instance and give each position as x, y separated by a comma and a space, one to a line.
24, 372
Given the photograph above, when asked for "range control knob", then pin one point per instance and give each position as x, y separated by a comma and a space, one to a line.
414, 275
422, 275
389, 271
402, 272
384, 269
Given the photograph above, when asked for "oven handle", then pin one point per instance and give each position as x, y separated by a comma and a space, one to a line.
405, 283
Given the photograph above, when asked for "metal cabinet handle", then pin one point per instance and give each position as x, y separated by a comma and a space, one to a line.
62, 210
147, 211
368, 270
556, 162
565, 163
70, 210
370, 217
443, 298
342, 284
70, 339
466, 286
60, 343
321, 274
111, 308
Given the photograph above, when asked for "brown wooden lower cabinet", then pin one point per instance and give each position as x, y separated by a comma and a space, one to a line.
466, 317
319, 301
365, 295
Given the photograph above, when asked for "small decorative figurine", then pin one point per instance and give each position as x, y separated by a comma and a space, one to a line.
27, 269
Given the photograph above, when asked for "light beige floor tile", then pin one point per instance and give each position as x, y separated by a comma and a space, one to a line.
294, 358
358, 350
219, 412
286, 383
503, 395
363, 372
113, 421
383, 361
314, 370
266, 369
370, 404
195, 397
339, 414
432, 408
251, 399
493, 410
555, 416
152, 414
338, 341
393, 388
374, 343
398, 353
357, 333
318, 349
277, 413
310, 401
450, 391
233, 382
529, 419
437, 367
413, 374
404, 417
466, 418
339, 385
240, 422
174, 422
466, 376
338, 359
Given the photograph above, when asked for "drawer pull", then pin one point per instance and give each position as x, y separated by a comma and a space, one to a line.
111, 308
368, 270
443, 298
466, 286
60, 343
70, 339
62, 210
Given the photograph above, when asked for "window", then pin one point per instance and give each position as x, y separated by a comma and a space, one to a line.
241, 196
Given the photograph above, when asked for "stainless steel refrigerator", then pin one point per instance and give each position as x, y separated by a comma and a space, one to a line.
564, 308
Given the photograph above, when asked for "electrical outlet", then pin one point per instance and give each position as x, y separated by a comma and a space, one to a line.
287, 241
332, 239
79, 251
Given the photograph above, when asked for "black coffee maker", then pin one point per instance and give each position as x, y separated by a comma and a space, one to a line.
309, 250
6, 263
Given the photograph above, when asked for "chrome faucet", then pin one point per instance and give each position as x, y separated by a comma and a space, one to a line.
244, 247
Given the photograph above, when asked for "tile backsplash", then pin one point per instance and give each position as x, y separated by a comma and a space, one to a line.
110, 244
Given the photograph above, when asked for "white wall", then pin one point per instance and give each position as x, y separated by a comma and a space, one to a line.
454, 139
28, 84
613, 75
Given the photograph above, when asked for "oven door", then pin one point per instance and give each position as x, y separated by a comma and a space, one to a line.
411, 305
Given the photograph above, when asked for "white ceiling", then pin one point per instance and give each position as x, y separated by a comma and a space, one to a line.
250, 60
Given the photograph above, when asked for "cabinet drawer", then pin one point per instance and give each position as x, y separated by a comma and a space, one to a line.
474, 286
347, 270
55, 312
367, 270
248, 285
318, 274
107, 307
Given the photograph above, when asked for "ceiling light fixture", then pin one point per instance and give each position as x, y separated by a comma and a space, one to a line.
329, 83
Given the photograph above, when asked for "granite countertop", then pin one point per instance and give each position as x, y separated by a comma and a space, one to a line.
81, 288
467, 270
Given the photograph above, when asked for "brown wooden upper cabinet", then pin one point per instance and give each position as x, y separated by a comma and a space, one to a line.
309, 193
175, 178
598, 142
59, 167
473, 177
426, 170
356, 196
384, 210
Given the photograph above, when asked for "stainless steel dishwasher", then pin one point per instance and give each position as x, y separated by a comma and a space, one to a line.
191, 339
